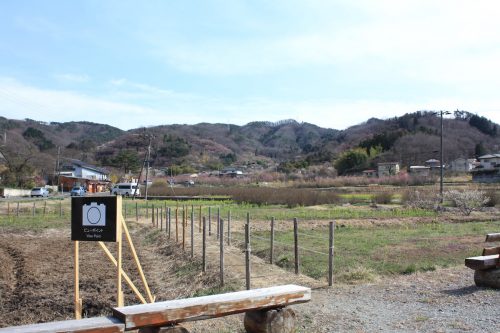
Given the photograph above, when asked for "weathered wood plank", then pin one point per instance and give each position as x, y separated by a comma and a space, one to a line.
89, 325
176, 311
488, 278
493, 237
488, 251
482, 262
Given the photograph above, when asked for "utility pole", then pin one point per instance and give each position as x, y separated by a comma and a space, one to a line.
442, 157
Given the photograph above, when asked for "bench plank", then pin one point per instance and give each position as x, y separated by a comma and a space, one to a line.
488, 251
482, 262
89, 325
493, 237
205, 307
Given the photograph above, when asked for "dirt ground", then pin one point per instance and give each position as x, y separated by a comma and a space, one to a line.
36, 285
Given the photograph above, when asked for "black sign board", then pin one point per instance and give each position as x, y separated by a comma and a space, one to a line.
94, 218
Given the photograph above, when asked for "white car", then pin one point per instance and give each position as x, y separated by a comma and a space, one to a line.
39, 192
126, 189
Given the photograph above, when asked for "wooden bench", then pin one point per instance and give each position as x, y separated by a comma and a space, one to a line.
487, 266
89, 325
265, 311
255, 303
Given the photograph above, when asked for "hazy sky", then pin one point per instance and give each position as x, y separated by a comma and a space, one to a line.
331, 63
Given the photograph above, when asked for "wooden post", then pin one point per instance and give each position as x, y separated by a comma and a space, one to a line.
33, 210
169, 222
296, 243
229, 228
271, 253
177, 224
247, 255
60, 208
330, 253
199, 221
183, 227
161, 218
147, 210
125, 211
78, 301
153, 214
218, 222
119, 293
136, 211
209, 221
221, 247
8, 208
204, 245
17, 209
44, 207
192, 232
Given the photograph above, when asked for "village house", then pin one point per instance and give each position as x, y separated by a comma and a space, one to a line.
420, 170
488, 170
74, 172
371, 173
387, 169
463, 164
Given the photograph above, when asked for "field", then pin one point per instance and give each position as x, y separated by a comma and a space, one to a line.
373, 243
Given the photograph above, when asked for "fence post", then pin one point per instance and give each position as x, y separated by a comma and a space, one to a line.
271, 254
17, 209
330, 254
218, 222
147, 210
8, 208
44, 207
161, 218
157, 217
209, 221
125, 211
192, 232
229, 228
221, 245
153, 214
60, 208
183, 227
199, 221
168, 221
204, 245
296, 243
177, 224
136, 212
33, 213
247, 255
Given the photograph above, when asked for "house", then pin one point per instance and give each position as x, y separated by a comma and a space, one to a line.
370, 173
488, 170
432, 163
463, 164
420, 170
74, 172
489, 162
387, 169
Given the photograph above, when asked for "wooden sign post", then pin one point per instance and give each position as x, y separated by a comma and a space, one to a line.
96, 219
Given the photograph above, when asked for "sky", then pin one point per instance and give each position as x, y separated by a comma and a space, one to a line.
331, 63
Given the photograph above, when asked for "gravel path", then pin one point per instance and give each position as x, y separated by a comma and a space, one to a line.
442, 301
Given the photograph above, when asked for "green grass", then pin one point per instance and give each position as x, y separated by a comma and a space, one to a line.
364, 251
34, 223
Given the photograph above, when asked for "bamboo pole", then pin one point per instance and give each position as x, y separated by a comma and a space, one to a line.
137, 262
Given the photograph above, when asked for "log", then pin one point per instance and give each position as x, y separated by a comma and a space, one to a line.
482, 262
493, 237
488, 278
270, 321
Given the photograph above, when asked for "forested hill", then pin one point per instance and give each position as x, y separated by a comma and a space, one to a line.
410, 139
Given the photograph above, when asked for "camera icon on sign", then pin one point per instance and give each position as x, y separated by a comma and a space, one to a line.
94, 215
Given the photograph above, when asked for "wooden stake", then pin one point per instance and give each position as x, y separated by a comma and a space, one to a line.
125, 275
17, 209
169, 222
199, 220
34, 209
161, 218
204, 246
136, 212
271, 253
44, 207
218, 222
137, 262
78, 301
229, 228
210, 221
221, 251
330, 254
296, 243
8, 208
177, 224
183, 227
119, 293
192, 232
247, 255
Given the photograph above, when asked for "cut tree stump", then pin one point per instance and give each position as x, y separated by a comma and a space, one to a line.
488, 278
270, 321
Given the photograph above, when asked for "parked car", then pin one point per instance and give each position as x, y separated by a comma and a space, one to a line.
189, 183
78, 191
39, 192
126, 189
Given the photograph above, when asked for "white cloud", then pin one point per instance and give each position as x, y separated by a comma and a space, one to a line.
69, 77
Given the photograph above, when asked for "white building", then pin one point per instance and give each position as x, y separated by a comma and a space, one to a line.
489, 162
463, 164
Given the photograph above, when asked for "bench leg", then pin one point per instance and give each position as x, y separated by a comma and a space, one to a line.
488, 278
270, 321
